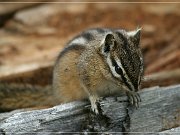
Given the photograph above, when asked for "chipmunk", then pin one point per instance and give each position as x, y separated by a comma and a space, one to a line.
98, 62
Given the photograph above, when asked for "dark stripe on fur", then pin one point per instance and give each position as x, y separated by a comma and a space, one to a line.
76, 47
121, 73
128, 62
88, 36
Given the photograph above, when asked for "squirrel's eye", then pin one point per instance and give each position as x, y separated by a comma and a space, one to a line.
118, 70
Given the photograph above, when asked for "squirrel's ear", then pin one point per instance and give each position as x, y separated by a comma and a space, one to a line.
135, 36
107, 44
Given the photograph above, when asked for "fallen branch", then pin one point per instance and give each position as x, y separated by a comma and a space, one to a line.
159, 111
162, 62
162, 78
16, 96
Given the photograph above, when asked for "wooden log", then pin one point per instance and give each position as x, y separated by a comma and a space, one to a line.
13, 96
28, 73
163, 78
175, 131
159, 111
8, 9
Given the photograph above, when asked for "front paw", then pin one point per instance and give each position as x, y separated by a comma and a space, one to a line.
94, 108
134, 98
95, 105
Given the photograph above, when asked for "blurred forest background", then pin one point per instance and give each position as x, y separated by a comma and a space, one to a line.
33, 34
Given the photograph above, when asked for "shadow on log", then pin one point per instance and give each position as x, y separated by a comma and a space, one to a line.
159, 111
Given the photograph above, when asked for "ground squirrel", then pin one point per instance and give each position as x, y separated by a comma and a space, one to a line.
98, 62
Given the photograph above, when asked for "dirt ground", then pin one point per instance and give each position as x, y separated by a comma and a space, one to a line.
35, 35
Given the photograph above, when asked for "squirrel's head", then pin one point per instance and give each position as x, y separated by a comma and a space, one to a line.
122, 53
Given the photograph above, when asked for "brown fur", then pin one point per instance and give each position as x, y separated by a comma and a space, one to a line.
81, 73
66, 78
90, 70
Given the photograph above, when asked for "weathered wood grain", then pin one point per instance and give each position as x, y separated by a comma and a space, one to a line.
159, 112
174, 131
